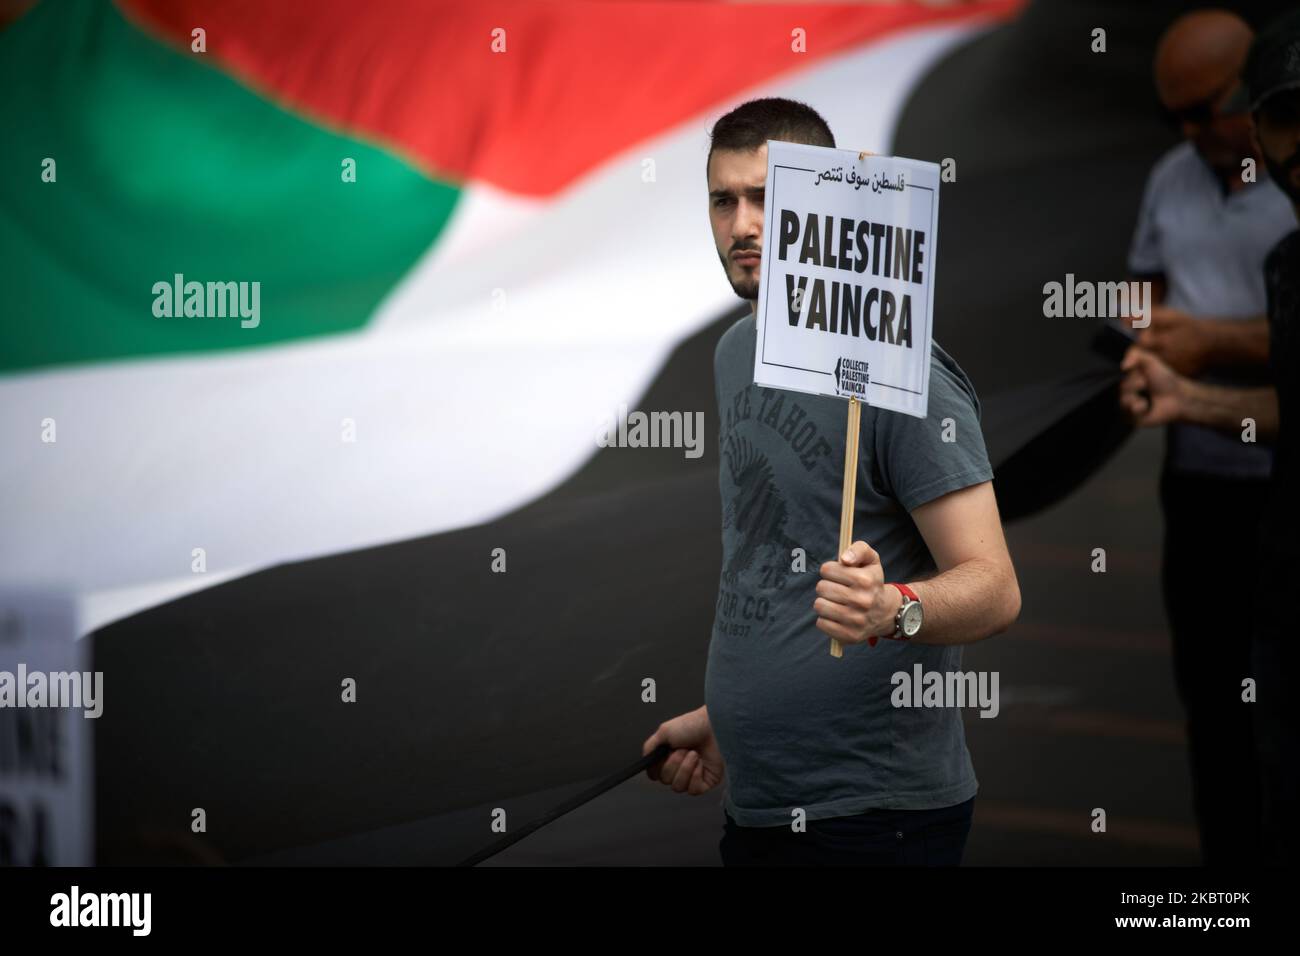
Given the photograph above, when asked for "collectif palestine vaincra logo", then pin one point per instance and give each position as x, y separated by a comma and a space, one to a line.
851, 376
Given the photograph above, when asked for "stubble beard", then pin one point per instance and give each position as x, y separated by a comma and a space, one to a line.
746, 286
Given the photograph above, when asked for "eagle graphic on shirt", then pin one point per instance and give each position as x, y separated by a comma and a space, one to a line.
757, 510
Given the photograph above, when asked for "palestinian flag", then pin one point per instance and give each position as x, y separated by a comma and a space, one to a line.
313, 307
472, 230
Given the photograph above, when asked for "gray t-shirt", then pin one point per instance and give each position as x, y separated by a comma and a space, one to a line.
797, 727
1210, 248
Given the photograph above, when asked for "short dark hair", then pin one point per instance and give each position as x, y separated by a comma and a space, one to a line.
752, 124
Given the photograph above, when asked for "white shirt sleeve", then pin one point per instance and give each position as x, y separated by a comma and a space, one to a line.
1144, 254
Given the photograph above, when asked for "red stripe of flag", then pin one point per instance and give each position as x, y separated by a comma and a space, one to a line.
579, 82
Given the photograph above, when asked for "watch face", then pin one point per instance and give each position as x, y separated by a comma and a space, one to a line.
912, 619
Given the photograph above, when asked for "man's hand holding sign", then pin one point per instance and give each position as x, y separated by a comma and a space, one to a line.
974, 594
854, 604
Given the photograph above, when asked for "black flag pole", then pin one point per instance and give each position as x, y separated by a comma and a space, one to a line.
613, 780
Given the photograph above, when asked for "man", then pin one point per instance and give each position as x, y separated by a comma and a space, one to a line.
800, 734
1203, 231
1154, 393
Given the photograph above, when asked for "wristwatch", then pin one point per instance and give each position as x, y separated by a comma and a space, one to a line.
907, 622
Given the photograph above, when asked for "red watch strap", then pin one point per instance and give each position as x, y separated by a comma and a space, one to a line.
907, 592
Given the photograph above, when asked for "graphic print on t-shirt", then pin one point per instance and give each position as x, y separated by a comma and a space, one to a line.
764, 434
757, 512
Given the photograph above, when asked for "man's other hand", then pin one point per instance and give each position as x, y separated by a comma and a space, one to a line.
695, 765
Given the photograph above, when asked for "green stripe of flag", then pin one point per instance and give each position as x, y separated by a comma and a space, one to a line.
165, 165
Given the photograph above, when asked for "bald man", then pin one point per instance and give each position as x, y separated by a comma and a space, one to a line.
1153, 394
1203, 233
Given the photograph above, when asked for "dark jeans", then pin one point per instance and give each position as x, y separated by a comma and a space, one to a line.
874, 838
1210, 549
1277, 720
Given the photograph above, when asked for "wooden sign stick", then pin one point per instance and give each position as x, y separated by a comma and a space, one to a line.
850, 493
849, 497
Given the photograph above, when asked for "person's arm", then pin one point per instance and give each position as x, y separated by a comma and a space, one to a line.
1225, 408
1152, 393
1189, 345
1237, 342
973, 595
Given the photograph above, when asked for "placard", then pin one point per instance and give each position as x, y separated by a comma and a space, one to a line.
845, 300
48, 705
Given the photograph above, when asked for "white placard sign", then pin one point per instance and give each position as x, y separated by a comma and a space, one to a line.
845, 298
46, 770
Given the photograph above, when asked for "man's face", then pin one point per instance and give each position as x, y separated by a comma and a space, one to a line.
736, 183
1195, 99
1277, 131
